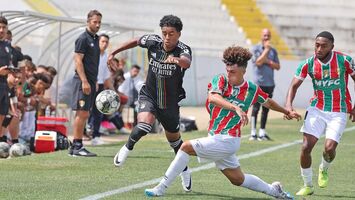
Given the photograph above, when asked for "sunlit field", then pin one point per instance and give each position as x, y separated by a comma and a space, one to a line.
59, 176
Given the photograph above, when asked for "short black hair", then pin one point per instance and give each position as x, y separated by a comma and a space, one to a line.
171, 21
3, 20
52, 70
326, 34
43, 77
93, 13
136, 66
104, 35
27, 57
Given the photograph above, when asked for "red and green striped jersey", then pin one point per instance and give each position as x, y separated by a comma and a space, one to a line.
330, 81
224, 121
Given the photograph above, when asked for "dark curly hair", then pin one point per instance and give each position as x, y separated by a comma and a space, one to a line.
171, 21
236, 55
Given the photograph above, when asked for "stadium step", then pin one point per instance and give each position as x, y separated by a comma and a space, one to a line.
248, 15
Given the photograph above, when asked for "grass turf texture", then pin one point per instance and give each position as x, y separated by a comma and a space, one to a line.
59, 176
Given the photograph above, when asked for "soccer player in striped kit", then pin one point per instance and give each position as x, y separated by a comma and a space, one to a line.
229, 98
329, 71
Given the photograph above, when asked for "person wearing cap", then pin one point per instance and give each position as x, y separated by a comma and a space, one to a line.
326, 114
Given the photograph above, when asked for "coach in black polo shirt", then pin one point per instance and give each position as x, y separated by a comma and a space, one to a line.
86, 58
5, 58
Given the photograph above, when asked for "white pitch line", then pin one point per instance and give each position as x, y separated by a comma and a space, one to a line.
196, 169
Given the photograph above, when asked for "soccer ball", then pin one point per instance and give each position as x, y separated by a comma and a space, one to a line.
16, 150
19, 149
107, 102
4, 150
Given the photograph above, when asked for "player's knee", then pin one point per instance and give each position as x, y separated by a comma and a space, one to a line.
306, 148
255, 110
187, 147
237, 180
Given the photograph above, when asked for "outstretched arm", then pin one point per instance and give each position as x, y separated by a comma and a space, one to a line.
271, 104
182, 61
291, 93
219, 101
126, 45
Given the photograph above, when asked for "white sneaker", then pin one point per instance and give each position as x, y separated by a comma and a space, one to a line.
157, 191
97, 141
279, 193
186, 180
121, 156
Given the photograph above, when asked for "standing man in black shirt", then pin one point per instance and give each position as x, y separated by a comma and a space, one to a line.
17, 56
159, 97
5, 67
86, 58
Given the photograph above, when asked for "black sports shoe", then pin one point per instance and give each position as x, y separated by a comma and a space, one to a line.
82, 152
70, 152
253, 138
264, 138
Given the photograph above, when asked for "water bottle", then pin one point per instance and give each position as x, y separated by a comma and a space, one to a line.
48, 111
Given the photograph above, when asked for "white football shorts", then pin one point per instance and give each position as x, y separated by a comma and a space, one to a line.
220, 149
318, 123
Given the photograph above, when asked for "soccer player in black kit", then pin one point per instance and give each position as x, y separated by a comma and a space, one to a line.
86, 57
5, 69
159, 96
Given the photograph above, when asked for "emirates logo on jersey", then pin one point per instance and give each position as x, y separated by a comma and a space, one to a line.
162, 69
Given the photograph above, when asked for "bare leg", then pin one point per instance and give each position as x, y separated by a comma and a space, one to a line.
252, 182
79, 123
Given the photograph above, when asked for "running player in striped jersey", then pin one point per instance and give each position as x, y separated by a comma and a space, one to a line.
329, 71
229, 97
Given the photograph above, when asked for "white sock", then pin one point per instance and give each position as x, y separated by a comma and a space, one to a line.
307, 176
253, 126
261, 132
254, 183
253, 132
324, 165
179, 163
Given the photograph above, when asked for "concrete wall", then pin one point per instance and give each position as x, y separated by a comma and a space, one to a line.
204, 68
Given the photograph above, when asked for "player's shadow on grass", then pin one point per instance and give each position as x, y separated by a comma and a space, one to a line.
221, 196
